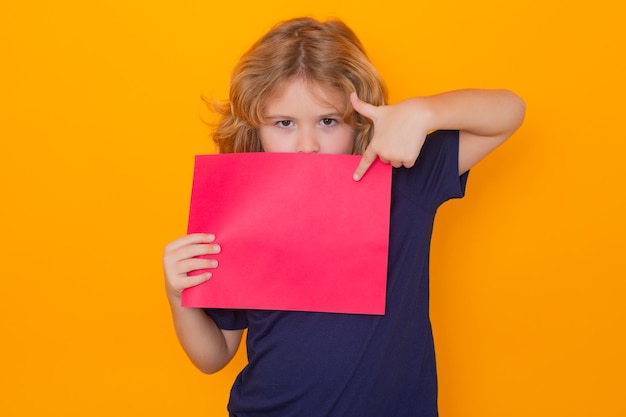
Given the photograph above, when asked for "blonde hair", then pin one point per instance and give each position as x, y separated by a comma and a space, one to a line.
326, 53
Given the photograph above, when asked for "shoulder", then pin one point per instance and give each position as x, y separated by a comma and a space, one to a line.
434, 178
440, 141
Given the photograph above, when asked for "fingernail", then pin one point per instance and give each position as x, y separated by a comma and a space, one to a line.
355, 176
210, 237
216, 248
213, 263
209, 275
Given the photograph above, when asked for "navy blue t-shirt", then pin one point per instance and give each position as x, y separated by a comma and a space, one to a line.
322, 364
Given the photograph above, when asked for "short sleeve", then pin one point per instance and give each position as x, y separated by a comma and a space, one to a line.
434, 178
228, 319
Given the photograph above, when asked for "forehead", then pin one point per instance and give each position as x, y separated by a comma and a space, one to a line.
299, 93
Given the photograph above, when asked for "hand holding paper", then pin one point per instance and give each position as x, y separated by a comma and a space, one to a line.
183, 257
295, 231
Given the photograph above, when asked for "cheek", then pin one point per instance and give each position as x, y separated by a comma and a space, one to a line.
344, 142
270, 142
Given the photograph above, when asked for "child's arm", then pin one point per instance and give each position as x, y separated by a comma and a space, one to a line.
485, 119
208, 347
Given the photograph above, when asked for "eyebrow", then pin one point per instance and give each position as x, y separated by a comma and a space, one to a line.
323, 116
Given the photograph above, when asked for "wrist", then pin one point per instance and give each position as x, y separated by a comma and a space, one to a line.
426, 109
173, 296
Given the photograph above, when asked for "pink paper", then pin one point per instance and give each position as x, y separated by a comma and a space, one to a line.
296, 231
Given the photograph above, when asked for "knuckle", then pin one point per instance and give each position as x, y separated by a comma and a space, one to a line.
167, 259
169, 247
387, 155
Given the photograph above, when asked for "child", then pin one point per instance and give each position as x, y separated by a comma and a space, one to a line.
307, 86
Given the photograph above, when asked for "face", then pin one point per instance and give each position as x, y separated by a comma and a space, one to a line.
296, 120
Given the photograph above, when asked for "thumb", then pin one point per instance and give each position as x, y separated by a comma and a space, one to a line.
368, 158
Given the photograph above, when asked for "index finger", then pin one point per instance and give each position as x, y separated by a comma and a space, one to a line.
368, 158
190, 239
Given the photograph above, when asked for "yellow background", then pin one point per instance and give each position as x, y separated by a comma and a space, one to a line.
100, 118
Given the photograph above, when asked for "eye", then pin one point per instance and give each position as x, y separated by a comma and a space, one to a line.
284, 123
327, 121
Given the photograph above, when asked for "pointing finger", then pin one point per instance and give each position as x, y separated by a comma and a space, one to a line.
363, 108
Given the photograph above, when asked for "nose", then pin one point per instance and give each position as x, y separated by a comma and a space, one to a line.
307, 142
